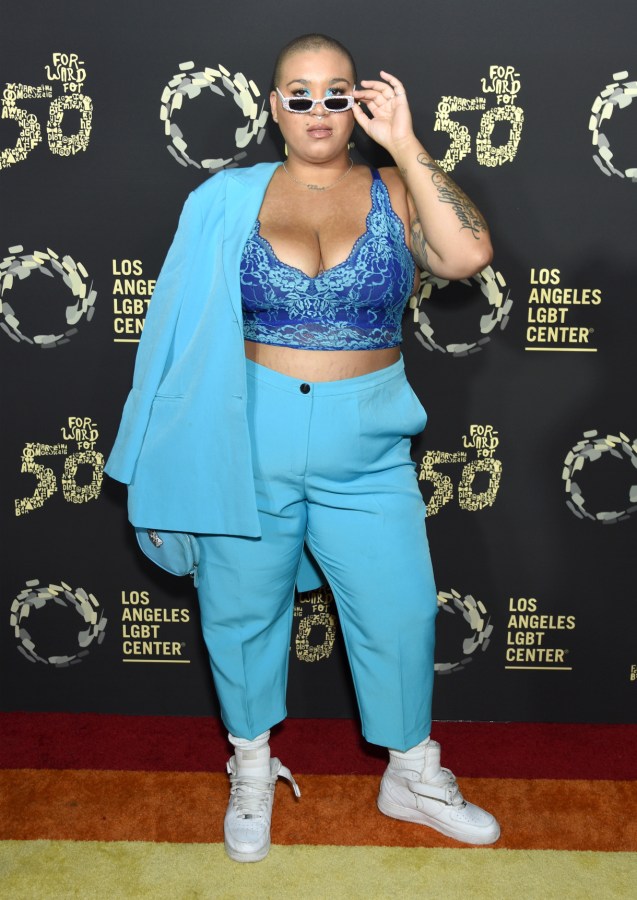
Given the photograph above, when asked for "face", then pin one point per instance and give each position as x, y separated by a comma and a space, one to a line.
318, 135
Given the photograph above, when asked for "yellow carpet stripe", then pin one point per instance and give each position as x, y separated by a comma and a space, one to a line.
57, 870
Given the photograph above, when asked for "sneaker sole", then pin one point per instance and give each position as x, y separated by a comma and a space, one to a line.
394, 811
252, 856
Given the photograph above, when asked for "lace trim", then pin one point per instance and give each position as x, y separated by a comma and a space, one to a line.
356, 304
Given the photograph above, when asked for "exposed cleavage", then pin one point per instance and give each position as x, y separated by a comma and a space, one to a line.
289, 252
301, 248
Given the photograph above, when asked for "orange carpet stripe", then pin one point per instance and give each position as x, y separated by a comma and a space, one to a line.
188, 807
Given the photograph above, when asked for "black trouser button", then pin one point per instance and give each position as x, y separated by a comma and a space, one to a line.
305, 388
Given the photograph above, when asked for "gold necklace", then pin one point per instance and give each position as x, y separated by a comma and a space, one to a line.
318, 187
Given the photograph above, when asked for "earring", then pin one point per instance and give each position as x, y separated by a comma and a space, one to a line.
285, 149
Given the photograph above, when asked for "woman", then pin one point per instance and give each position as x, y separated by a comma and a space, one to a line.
270, 415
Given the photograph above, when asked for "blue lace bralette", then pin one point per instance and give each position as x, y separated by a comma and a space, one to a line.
355, 305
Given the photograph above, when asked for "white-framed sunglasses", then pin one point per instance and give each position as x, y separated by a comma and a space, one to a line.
334, 104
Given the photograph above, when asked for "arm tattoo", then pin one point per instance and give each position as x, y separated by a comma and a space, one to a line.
419, 245
448, 192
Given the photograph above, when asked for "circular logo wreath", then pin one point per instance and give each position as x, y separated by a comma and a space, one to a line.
190, 84
475, 614
74, 276
617, 95
35, 597
589, 450
492, 285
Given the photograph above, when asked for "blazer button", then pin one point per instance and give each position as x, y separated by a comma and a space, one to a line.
305, 388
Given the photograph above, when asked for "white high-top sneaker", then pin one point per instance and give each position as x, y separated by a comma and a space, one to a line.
415, 788
253, 776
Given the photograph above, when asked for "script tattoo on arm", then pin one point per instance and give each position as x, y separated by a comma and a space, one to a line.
448, 192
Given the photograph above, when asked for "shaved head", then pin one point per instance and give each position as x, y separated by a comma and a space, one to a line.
310, 42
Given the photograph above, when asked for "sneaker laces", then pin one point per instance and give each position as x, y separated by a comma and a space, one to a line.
250, 794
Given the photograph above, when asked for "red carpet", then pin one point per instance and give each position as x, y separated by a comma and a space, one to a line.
316, 746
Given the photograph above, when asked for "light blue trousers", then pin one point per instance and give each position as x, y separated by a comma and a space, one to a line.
332, 467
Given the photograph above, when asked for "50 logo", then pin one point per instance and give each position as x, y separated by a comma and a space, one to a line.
484, 440
505, 85
67, 68
82, 431
316, 632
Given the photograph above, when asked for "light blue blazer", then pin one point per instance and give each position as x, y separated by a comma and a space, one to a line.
183, 446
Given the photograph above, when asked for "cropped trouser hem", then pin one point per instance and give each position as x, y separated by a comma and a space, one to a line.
409, 739
332, 468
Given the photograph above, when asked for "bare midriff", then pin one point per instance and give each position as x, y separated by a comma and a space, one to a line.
320, 365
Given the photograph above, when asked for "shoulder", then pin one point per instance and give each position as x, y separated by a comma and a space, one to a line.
205, 204
255, 176
393, 181
391, 177
397, 190
224, 196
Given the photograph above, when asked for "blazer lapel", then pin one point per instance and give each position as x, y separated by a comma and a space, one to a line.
244, 195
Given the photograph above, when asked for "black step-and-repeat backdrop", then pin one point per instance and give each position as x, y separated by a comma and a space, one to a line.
111, 114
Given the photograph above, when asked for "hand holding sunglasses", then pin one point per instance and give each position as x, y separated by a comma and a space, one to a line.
387, 119
335, 104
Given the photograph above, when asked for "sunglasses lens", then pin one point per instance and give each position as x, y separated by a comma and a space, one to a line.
305, 104
300, 104
336, 104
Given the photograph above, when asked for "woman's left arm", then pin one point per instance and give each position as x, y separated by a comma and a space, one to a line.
448, 235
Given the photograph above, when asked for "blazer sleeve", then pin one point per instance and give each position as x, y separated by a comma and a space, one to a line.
156, 341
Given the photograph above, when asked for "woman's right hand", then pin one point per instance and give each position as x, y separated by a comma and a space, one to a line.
391, 122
